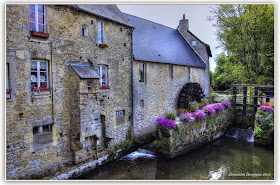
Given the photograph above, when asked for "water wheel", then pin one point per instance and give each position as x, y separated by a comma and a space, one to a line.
190, 92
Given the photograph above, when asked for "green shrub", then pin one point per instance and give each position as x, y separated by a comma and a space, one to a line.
193, 106
164, 145
260, 133
170, 115
201, 104
205, 101
181, 110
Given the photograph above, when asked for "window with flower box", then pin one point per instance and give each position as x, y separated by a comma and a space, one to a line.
120, 117
37, 18
39, 76
103, 73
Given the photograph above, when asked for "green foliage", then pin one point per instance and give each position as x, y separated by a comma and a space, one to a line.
193, 106
126, 144
181, 110
246, 32
164, 145
170, 115
265, 121
260, 133
201, 104
177, 128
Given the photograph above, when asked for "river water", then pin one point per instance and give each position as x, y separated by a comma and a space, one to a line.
223, 159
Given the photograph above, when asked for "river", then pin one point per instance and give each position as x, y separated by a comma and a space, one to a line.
223, 159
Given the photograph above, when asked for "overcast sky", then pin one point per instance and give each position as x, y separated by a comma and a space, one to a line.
169, 15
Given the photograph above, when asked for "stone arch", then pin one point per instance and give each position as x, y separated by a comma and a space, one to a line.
188, 93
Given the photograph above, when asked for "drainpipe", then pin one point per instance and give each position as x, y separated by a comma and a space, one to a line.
52, 81
132, 80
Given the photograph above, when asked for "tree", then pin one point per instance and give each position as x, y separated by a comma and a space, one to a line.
246, 32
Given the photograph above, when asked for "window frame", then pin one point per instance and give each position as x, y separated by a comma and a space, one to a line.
120, 114
84, 31
171, 72
100, 72
144, 73
101, 33
89, 87
41, 130
37, 71
37, 20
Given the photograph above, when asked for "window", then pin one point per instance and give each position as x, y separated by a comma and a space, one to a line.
171, 72
141, 72
120, 117
100, 32
189, 75
84, 31
39, 74
42, 129
89, 87
194, 43
142, 103
42, 135
37, 18
102, 71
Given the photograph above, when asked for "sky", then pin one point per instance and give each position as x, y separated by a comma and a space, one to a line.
169, 15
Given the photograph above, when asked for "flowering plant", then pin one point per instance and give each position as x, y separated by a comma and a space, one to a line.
218, 106
226, 103
41, 89
165, 123
8, 91
199, 114
104, 87
186, 117
209, 108
266, 107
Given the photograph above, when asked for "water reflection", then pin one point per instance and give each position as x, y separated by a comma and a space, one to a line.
224, 159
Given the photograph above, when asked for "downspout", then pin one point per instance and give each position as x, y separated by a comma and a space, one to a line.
52, 82
132, 103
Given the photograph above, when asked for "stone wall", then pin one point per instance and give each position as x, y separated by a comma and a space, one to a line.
175, 141
201, 50
159, 93
26, 110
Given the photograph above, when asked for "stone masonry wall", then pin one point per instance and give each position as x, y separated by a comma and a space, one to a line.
159, 92
25, 110
200, 48
188, 136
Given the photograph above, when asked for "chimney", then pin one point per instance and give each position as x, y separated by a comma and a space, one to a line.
184, 23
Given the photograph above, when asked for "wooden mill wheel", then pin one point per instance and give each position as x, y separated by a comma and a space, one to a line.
190, 92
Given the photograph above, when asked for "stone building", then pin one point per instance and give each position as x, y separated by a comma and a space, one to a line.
57, 57
166, 62
80, 77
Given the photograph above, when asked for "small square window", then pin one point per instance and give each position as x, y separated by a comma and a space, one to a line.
194, 43
35, 130
84, 31
120, 117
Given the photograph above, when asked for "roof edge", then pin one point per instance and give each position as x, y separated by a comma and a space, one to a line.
193, 48
83, 10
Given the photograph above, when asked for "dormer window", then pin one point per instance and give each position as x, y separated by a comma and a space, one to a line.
37, 18
194, 43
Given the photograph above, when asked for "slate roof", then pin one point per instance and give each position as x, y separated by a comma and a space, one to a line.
84, 70
106, 11
158, 43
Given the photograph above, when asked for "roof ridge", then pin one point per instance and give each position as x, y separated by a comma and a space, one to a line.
149, 21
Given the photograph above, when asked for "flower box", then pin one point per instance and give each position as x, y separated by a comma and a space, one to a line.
103, 45
39, 34
104, 87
